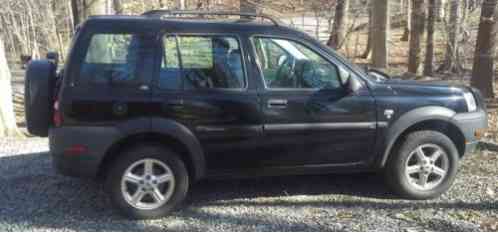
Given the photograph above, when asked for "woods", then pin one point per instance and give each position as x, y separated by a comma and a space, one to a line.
453, 40
380, 37
7, 119
485, 54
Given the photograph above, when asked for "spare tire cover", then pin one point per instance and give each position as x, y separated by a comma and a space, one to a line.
38, 96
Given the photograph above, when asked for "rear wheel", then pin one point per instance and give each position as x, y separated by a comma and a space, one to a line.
147, 182
423, 166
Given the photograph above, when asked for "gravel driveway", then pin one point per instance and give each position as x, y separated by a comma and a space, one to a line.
33, 197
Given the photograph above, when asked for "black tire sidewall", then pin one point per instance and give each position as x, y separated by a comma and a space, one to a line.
130, 156
396, 167
38, 96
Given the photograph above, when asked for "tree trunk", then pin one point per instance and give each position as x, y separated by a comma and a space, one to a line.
484, 57
180, 4
8, 126
370, 30
439, 10
75, 9
96, 7
429, 49
338, 34
380, 37
162, 4
117, 5
417, 21
451, 61
408, 25
247, 7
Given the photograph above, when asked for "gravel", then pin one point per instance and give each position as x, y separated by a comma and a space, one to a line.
34, 198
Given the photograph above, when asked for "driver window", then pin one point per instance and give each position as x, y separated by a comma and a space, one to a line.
288, 64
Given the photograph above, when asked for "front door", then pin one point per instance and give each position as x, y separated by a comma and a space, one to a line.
311, 117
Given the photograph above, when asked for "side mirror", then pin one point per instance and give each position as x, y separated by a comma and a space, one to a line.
352, 84
379, 75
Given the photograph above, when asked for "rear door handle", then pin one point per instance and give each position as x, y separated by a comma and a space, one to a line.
144, 87
277, 103
174, 103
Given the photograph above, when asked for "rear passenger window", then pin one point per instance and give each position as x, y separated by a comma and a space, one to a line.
202, 62
112, 59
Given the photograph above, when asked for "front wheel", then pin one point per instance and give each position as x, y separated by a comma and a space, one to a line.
147, 182
423, 166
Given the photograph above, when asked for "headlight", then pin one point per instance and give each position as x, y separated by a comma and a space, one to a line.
471, 101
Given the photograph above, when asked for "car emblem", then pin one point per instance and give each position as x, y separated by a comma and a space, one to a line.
388, 113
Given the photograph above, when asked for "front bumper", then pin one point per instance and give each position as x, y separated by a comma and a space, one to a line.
471, 124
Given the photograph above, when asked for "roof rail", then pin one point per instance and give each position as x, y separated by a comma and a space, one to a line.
160, 13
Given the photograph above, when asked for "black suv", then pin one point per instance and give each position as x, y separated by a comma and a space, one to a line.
154, 103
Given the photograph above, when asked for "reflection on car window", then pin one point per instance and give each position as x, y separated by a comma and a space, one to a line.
288, 64
170, 75
206, 62
112, 59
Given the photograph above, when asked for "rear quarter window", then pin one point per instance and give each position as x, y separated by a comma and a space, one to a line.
112, 59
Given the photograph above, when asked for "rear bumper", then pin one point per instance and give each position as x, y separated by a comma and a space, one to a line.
470, 124
95, 140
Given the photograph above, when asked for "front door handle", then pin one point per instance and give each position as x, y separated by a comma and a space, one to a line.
277, 103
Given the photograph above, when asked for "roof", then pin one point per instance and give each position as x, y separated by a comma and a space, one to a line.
179, 24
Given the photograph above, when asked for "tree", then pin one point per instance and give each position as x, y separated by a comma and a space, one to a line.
484, 57
75, 10
380, 18
407, 5
451, 62
81, 9
162, 4
8, 125
96, 7
180, 4
247, 6
370, 30
429, 49
118, 7
338, 34
439, 7
417, 24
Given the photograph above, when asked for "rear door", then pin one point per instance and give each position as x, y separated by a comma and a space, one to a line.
203, 84
110, 79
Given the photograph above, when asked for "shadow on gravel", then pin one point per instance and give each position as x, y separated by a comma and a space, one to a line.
32, 196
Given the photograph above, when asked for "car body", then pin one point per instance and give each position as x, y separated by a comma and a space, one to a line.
248, 126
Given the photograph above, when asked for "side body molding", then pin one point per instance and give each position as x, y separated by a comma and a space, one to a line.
408, 119
183, 134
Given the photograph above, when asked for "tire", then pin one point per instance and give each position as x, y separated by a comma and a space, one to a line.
133, 157
408, 181
38, 96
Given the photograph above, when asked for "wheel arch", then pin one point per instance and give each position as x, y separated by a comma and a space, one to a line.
169, 134
426, 118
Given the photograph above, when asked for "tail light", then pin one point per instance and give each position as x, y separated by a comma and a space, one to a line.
57, 116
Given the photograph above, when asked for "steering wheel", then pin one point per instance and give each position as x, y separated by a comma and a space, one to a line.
282, 78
